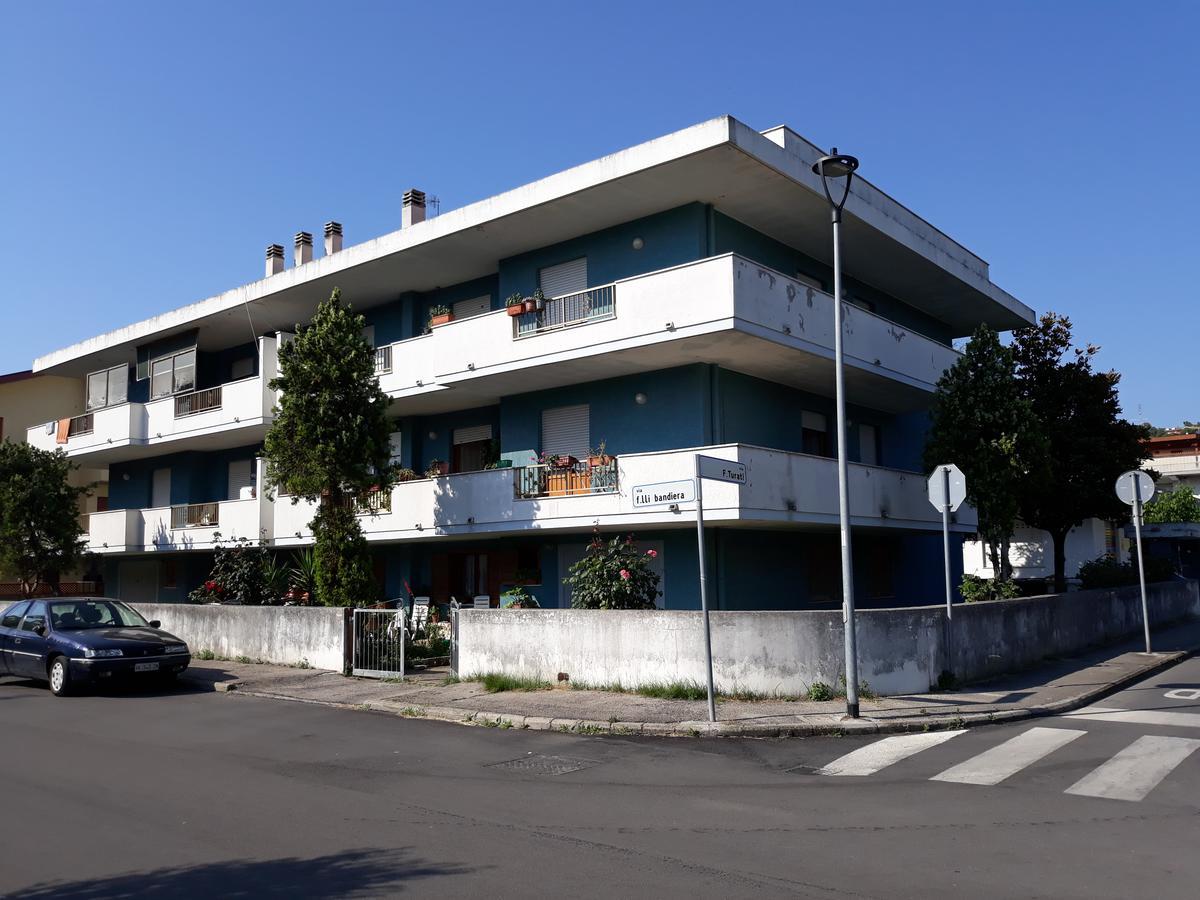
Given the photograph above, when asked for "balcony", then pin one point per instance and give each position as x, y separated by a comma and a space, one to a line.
192, 526
225, 415
726, 310
784, 490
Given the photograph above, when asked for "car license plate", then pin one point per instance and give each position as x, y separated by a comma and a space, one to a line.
145, 667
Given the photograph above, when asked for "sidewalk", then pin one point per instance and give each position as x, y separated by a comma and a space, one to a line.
1056, 687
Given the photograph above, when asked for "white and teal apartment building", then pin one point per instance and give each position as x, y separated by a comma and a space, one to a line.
688, 308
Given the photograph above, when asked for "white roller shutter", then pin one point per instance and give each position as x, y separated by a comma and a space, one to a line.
241, 479
472, 434
565, 278
476, 306
566, 431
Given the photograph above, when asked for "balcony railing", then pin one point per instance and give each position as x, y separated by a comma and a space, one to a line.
372, 503
198, 402
196, 515
81, 425
575, 480
383, 360
570, 309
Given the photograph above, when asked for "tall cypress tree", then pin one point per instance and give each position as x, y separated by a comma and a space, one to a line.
329, 442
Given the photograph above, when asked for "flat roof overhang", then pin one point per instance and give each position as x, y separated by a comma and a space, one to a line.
762, 181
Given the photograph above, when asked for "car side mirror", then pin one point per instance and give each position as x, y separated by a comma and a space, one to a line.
155, 623
39, 630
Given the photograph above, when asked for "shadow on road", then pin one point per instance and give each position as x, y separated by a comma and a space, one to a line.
350, 874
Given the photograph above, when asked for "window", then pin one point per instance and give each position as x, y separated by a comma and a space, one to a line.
868, 445
241, 479
241, 368
565, 278
173, 374
814, 433
107, 388
35, 617
168, 574
470, 450
12, 615
476, 306
566, 431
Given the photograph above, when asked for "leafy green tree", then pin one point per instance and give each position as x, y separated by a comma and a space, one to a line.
614, 575
40, 535
1179, 505
1088, 442
980, 422
329, 442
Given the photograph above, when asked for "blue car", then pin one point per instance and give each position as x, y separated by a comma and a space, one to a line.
84, 641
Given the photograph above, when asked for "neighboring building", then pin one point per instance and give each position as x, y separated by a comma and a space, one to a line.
688, 280
1176, 459
1031, 550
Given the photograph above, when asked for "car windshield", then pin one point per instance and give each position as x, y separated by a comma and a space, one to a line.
66, 615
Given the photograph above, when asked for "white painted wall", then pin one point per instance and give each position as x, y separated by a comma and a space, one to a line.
1032, 552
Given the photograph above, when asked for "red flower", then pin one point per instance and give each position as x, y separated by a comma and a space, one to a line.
625, 574
210, 585
653, 554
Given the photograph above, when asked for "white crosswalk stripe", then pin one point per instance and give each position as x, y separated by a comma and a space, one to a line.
1161, 717
882, 753
1007, 759
1136, 770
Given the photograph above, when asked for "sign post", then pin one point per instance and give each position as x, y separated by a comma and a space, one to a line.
947, 491
1135, 487
717, 470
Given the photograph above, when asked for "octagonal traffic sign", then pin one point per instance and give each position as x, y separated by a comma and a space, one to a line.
938, 483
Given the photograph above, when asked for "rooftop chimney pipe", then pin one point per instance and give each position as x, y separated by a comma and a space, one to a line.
414, 208
303, 247
333, 237
274, 259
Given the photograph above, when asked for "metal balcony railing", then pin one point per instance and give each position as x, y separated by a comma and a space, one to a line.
198, 402
570, 309
383, 360
81, 425
372, 503
196, 515
575, 480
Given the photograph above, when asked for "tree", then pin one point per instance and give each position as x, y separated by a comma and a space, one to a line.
330, 442
981, 423
1088, 443
40, 535
614, 575
1179, 505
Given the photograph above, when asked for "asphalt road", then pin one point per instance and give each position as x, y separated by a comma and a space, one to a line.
186, 794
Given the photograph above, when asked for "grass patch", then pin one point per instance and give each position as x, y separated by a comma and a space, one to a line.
673, 690
412, 711
451, 679
819, 692
204, 654
495, 683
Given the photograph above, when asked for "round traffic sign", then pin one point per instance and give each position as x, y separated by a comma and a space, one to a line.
1127, 482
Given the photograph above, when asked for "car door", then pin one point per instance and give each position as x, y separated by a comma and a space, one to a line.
9, 621
29, 647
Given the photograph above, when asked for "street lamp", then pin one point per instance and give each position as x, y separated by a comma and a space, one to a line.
833, 167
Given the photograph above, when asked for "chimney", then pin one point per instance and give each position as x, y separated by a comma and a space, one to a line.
414, 208
274, 259
333, 237
303, 248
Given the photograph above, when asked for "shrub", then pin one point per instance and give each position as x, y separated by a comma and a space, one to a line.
614, 575
519, 598
1179, 505
343, 562
974, 589
241, 573
1106, 572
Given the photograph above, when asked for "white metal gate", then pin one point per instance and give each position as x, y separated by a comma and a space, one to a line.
378, 636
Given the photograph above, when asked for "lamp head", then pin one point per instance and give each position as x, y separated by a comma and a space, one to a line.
835, 165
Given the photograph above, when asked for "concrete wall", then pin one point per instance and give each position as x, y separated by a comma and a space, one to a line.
900, 650
278, 634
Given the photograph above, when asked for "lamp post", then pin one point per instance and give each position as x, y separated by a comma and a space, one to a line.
840, 168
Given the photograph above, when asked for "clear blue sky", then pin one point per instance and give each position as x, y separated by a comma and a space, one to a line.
151, 150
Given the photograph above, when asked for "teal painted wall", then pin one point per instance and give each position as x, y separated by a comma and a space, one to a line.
195, 477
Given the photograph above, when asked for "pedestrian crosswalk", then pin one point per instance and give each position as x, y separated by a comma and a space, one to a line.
1130, 774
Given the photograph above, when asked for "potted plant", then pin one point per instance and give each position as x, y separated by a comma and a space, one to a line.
539, 300
437, 468
440, 315
406, 475
597, 457
515, 305
530, 305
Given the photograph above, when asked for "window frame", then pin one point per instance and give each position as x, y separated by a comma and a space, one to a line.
108, 384
173, 358
21, 606
42, 614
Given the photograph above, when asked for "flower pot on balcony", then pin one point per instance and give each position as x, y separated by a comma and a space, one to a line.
563, 462
598, 460
530, 305
441, 319
515, 309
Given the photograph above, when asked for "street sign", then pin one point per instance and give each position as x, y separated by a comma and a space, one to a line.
721, 469
664, 493
1125, 486
938, 486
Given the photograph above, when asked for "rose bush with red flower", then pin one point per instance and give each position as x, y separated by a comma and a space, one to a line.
614, 574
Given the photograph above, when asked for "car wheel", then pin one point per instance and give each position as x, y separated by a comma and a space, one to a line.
59, 674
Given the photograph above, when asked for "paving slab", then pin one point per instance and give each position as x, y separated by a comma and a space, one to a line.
1055, 687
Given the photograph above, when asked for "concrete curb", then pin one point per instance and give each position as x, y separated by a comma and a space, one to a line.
800, 728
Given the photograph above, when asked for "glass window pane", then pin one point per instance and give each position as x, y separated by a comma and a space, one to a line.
185, 371
97, 390
118, 384
160, 378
